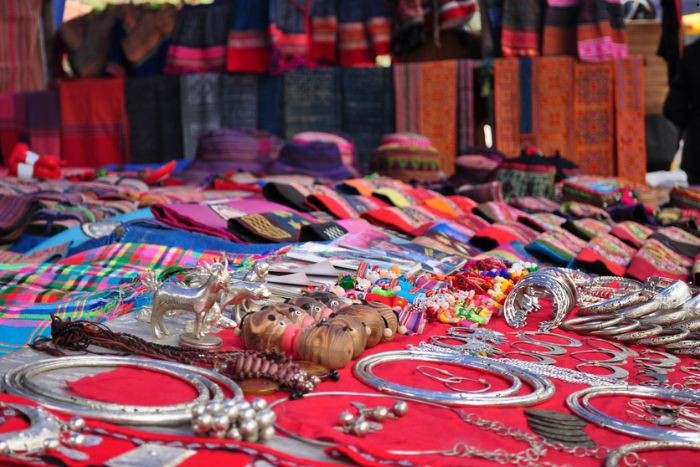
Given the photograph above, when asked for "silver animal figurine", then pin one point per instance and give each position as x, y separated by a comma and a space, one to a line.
175, 297
242, 296
258, 273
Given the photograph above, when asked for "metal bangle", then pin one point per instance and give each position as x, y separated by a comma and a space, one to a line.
690, 342
642, 309
528, 336
541, 359
617, 372
615, 357
616, 456
579, 403
553, 349
664, 317
642, 332
694, 352
617, 303
666, 336
625, 325
542, 387
690, 325
592, 323
16, 379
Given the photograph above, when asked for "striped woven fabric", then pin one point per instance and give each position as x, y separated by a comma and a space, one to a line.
20, 62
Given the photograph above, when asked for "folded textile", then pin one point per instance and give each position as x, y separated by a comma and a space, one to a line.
417, 88
16, 213
199, 38
154, 110
94, 122
483, 193
534, 204
312, 101
367, 108
588, 228
211, 219
556, 246
522, 179
409, 220
599, 191
633, 233
200, 98
249, 151
677, 240
268, 227
656, 259
606, 254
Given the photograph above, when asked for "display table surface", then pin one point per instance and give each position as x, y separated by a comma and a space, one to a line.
423, 428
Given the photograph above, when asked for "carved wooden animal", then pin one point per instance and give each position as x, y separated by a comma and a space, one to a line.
391, 320
328, 345
329, 299
265, 330
371, 318
355, 328
172, 297
296, 315
316, 309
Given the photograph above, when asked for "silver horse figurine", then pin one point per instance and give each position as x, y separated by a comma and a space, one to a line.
177, 298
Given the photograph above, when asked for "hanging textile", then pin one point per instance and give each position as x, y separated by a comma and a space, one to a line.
312, 101
368, 108
560, 22
553, 87
141, 41
364, 31
20, 62
506, 95
199, 38
94, 122
270, 89
592, 29
425, 93
601, 31
629, 118
521, 28
239, 101
465, 105
153, 106
248, 47
44, 122
13, 123
593, 118
87, 40
200, 100
288, 27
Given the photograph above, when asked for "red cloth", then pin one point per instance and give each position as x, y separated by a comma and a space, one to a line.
316, 416
94, 122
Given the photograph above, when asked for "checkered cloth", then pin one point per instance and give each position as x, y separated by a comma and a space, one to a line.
97, 285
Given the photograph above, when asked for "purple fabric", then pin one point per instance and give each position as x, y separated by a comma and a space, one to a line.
317, 159
212, 219
249, 151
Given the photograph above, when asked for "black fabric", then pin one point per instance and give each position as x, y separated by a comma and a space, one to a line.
153, 107
682, 107
662, 142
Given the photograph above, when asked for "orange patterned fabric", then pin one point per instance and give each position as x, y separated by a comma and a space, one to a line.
629, 100
594, 125
553, 87
426, 103
507, 105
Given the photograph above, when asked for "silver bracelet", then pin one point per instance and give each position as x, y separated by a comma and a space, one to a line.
617, 303
552, 349
626, 325
16, 383
666, 336
617, 455
692, 341
542, 388
530, 336
617, 372
579, 403
615, 357
642, 332
592, 323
